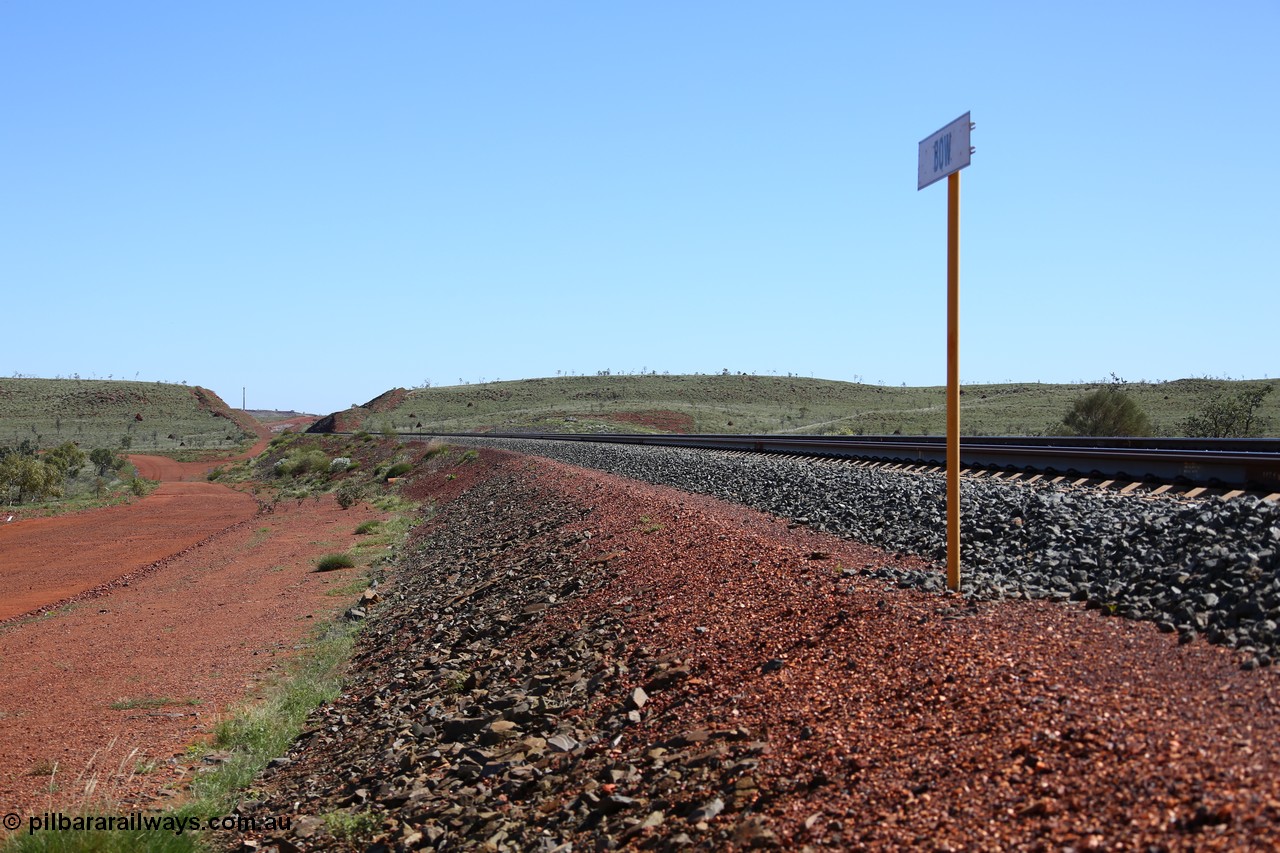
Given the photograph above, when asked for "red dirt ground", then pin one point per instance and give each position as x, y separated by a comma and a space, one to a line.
659, 419
49, 561
183, 600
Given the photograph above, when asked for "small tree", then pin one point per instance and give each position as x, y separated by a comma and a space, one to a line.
105, 460
29, 477
1228, 416
67, 457
1107, 411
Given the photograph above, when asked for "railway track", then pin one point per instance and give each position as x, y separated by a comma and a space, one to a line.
1224, 466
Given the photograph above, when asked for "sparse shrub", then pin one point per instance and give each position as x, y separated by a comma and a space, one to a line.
351, 826
333, 562
647, 525
141, 487
399, 469
1228, 416
1107, 411
470, 456
340, 463
349, 493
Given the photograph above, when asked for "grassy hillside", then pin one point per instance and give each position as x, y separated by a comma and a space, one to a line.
103, 413
759, 404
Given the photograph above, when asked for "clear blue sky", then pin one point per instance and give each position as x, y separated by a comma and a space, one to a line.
322, 200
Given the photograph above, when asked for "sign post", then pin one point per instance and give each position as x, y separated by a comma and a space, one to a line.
943, 155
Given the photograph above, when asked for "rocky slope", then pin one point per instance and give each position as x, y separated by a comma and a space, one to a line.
1206, 568
568, 660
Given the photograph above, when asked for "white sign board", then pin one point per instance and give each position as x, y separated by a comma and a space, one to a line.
944, 152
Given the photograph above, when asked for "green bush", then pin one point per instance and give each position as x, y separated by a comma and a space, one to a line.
399, 469
309, 461
331, 562
141, 487
1107, 411
29, 477
301, 462
366, 527
1229, 416
67, 458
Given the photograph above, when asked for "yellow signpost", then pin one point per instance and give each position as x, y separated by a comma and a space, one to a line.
944, 154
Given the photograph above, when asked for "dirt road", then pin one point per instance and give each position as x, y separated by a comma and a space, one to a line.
49, 561
105, 690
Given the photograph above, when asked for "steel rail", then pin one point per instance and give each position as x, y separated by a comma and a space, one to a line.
1252, 464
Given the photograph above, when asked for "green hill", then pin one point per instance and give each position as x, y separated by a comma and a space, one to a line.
93, 413
763, 404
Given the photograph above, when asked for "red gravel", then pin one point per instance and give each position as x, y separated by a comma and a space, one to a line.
904, 720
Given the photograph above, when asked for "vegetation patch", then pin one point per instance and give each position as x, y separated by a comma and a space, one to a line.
141, 487
347, 590
333, 562
741, 403
1109, 411
1231, 413
351, 826
648, 525
65, 478
399, 469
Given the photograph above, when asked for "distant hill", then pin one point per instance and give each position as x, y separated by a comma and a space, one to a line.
106, 413
760, 404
